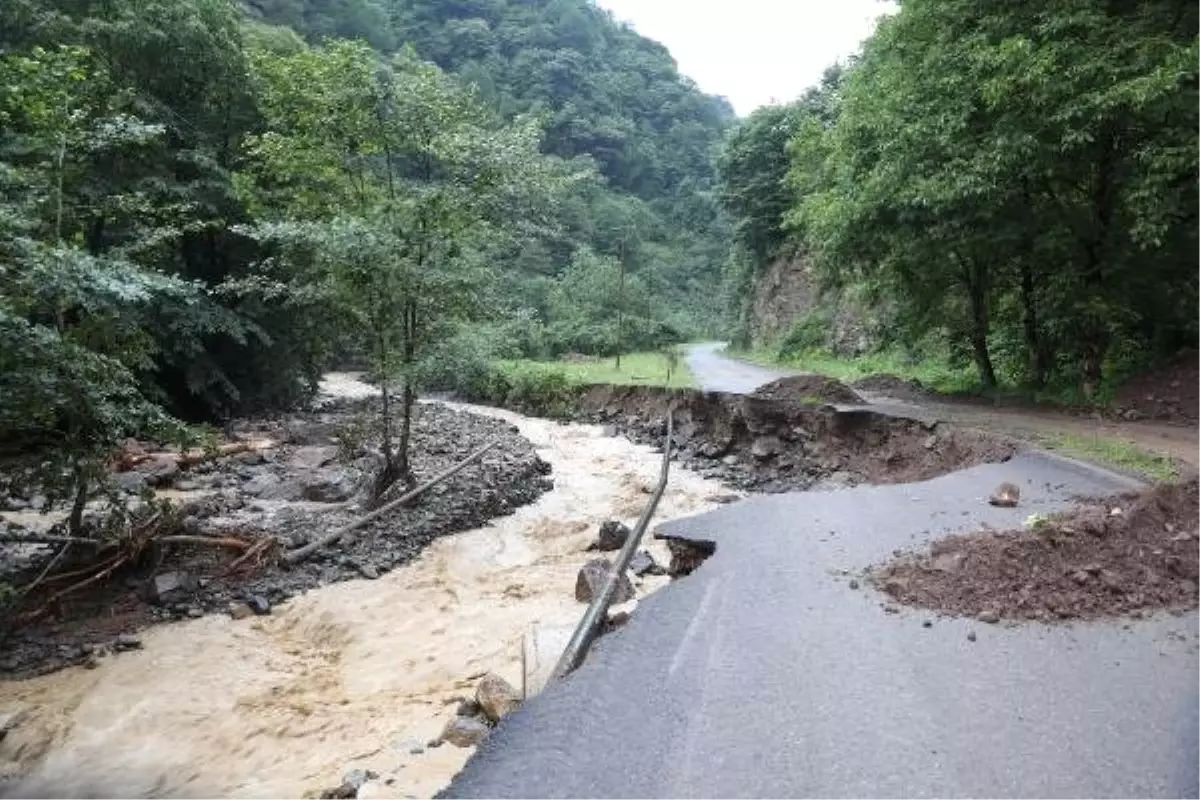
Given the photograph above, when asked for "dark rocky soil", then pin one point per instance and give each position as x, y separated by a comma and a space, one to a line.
771, 445
1171, 393
296, 491
1122, 556
808, 389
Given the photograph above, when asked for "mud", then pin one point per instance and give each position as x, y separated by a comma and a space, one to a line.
357, 675
808, 389
772, 445
1170, 393
1122, 556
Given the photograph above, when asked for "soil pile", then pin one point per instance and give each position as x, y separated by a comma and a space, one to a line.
1171, 393
772, 445
1121, 556
909, 389
808, 390
314, 480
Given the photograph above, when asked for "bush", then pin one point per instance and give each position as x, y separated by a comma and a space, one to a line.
808, 334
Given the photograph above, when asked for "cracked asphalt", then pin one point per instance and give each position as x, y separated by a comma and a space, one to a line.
765, 674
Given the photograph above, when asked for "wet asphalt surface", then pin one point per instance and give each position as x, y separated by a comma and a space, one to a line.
765, 674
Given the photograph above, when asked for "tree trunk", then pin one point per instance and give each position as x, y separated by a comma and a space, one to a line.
975, 278
403, 469
1036, 367
75, 520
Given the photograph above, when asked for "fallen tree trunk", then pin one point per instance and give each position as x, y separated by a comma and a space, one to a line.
191, 458
301, 553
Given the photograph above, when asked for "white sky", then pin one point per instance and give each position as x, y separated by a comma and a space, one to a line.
753, 52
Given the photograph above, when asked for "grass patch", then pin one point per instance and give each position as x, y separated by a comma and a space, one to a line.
1116, 453
937, 376
637, 369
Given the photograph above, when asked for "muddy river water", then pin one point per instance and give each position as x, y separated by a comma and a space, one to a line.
360, 674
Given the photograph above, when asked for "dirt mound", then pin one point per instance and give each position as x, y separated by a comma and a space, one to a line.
893, 386
809, 390
270, 493
1171, 393
1120, 556
770, 445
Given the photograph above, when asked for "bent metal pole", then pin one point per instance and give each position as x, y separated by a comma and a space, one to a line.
593, 618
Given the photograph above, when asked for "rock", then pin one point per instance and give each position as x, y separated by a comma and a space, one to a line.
930, 442
765, 447
970, 636
126, 642
609, 430
468, 708
259, 604
331, 485
1133, 415
131, 482
355, 778
989, 616
368, 571
591, 580
853, 583
947, 562
927, 623
643, 563
195, 613
1007, 495
464, 732
239, 610
313, 456
187, 486
262, 484
160, 471
170, 587
496, 697
730, 460
416, 751
612, 536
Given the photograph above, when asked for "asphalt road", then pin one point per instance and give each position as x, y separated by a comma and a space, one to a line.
763, 674
715, 372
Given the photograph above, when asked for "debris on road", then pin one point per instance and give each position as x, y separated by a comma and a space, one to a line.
591, 580
1007, 495
1085, 563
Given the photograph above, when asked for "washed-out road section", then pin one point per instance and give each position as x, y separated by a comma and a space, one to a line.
765, 674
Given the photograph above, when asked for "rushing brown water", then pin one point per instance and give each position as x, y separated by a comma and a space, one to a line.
355, 675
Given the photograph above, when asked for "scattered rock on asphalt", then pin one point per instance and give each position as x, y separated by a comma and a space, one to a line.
643, 563
612, 536
464, 732
971, 636
1007, 495
496, 697
591, 580
1085, 563
126, 642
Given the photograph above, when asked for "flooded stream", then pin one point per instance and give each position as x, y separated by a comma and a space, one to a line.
361, 674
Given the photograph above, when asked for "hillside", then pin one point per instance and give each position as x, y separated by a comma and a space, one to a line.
603, 93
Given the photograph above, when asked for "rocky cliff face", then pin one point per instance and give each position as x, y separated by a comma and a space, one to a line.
786, 291
789, 291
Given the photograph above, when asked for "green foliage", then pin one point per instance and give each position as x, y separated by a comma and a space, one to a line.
603, 97
1019, 180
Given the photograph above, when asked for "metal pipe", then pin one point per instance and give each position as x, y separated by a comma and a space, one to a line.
589, 627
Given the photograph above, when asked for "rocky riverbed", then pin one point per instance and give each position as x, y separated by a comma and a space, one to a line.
360, 674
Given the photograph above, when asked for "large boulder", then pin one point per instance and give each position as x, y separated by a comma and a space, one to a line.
159, 471
612, 536
643, 563
591, 580
313, 456
329, 485
465, 731
496, 697
167, 588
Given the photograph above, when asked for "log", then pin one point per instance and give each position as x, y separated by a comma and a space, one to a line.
191, 458
301, 553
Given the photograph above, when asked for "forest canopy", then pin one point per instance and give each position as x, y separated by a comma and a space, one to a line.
1016, 183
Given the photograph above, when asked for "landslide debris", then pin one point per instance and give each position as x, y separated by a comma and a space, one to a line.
1123, 556
768, 444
